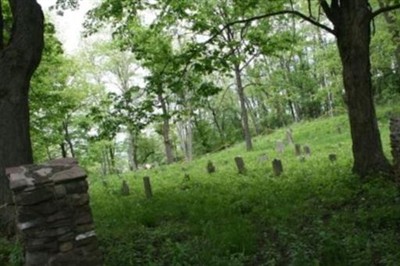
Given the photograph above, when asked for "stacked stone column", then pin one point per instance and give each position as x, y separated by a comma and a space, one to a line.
53, 214
395, 145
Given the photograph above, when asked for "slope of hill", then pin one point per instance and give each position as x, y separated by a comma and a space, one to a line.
315, 213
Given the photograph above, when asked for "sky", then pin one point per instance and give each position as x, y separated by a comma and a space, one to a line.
69, 26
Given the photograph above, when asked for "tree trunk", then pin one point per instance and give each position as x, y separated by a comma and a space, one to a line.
216, 123
243, 109
166, 130
63, 150
111, 152
132, 152
67, 138
18, 60
353, 34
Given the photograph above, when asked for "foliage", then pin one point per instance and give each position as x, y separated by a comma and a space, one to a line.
316, 213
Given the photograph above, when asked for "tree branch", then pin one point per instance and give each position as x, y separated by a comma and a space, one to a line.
384, 9
278, 13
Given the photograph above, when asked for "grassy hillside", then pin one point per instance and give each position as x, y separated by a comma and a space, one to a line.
315, 213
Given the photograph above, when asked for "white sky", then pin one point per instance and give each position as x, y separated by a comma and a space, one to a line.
69, 26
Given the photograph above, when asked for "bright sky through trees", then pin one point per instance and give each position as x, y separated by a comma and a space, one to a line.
69, 24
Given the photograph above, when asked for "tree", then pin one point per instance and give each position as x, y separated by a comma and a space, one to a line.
351, 20
20, 54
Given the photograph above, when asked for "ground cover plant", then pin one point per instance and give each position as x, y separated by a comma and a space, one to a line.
316, 213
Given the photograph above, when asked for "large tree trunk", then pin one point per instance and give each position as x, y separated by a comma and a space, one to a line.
243, 109
352, 26
18, 60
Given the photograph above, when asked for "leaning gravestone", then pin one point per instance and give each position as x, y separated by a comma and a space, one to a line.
277, 167
53, 214
280, 147
240, 165
307, 150
395, 145
210, 167
297, 149
125, 191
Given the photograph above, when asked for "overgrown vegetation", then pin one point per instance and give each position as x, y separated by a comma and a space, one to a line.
316, 213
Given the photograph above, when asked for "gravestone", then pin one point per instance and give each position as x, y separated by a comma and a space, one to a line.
307, 150
53, 214
210, 167
280, 147
124, 188
186, 177
263, 158
147, 187
240, 165
277, 167
297, 149
395, 145
332, 157
289, 136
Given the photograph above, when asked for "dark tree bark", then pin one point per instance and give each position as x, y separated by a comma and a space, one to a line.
166, 130
1, 26
18, 60
351, 20
111, 153
63, 150
67, 138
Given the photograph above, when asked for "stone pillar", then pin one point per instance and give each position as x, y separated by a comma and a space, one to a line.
395, 145
54, 218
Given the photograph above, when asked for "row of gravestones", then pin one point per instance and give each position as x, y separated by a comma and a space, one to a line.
280, 148
276, 164
125, 191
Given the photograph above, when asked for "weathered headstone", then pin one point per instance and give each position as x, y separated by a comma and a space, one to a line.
186, 177
263, 158
124, 188
307, 150
53, 214
240, 165
277, 167
332, 157
210, 167
280, 147
147, 187
297, 149
104, 182
289, 136
395, 145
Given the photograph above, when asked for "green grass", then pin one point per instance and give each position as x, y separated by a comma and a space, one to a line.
316, 213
